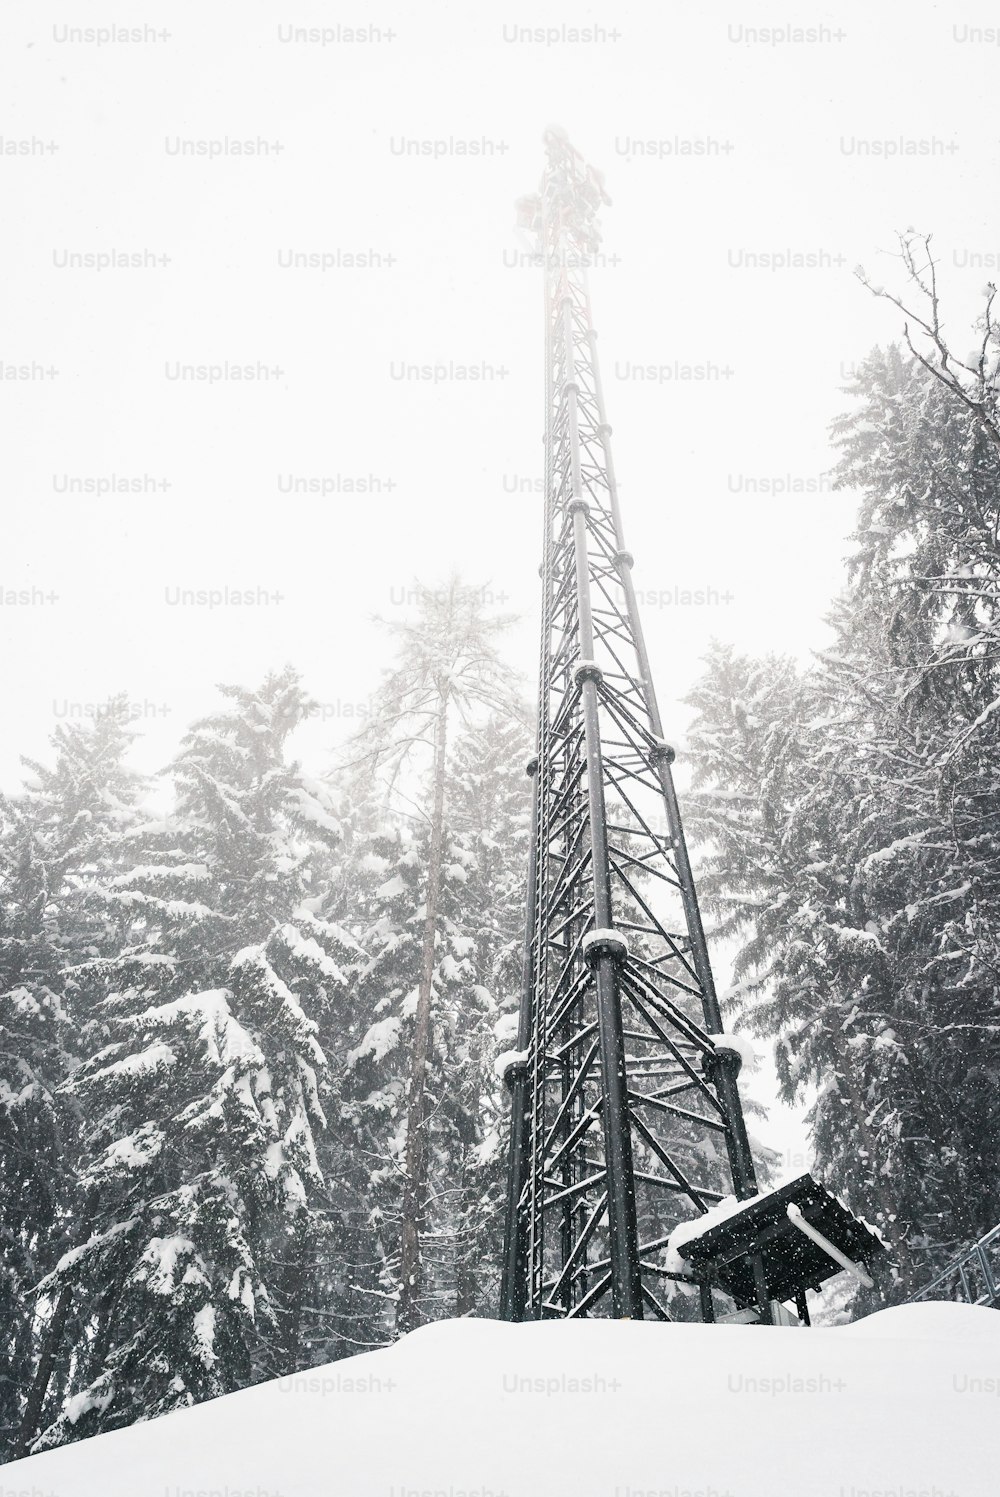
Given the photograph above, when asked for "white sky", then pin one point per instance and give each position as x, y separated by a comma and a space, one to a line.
793, 179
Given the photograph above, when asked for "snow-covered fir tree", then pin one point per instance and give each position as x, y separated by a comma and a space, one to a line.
58, 838
478, 933
342, 1312
204, 1101
490, 806
852, 810
446, 672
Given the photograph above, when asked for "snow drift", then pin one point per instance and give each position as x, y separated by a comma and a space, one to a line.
903, 1404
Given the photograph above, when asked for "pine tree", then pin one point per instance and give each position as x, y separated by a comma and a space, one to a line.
59, 837
345, 1310
381, 1063
446, 668
781, 809
853, 812
203, 1103
490, 805
926, 573
476, 978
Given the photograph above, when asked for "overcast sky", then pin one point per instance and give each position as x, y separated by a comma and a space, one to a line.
723, 143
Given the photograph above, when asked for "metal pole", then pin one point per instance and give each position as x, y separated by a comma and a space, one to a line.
514, 1287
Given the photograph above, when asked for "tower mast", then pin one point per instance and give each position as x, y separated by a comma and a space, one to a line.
621, 1091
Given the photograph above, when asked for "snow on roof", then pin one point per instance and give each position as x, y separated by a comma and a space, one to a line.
582, 1408
688, 1231
792, 1193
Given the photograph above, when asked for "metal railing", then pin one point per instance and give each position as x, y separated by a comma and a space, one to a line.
973, 1278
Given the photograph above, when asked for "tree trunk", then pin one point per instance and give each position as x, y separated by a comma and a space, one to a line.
296, 1278
52, 1338
464, 1251
414, 1190
51, 1344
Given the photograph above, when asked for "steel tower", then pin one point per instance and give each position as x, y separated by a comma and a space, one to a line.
622, 1099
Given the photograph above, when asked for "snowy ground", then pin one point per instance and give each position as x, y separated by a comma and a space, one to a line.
904, 1404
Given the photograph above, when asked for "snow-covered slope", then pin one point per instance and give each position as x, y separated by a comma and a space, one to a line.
904, 1404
